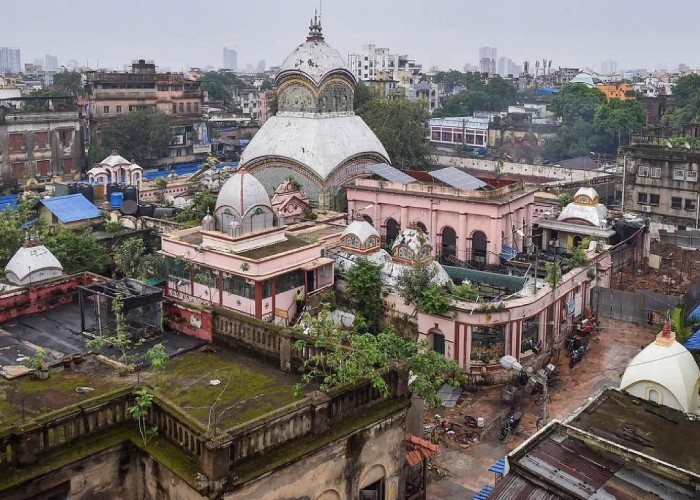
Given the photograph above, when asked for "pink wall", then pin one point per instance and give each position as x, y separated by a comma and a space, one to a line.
448, 207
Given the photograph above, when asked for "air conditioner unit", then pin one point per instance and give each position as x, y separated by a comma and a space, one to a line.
646, 208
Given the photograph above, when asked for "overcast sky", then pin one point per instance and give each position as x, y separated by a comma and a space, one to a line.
181, 33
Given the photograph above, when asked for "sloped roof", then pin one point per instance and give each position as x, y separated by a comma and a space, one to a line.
71, 208
115, 159
31, 259
591, 214
319, 143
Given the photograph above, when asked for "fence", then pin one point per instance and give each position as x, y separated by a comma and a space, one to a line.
637, 307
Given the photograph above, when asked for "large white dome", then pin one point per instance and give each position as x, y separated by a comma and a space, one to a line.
243, 200
315, 58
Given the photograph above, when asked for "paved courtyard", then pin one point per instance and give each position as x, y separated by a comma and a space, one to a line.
467, 462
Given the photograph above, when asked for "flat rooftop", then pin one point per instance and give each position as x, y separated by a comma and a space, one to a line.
655, 430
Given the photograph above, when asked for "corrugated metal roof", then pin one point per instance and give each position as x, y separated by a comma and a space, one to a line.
71, 208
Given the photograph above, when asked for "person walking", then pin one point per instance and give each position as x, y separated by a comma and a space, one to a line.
299, 298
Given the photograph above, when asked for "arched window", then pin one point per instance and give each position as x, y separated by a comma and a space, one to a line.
479, 247
449, 245
577, 240
653, 396
368, 219
392, 231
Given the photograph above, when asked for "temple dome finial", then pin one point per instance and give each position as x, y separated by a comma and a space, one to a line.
315, 29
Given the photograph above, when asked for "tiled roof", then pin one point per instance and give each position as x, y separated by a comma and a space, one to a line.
420, 449
71, 208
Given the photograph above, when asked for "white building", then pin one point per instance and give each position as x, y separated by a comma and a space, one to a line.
10, 60
487, 60
367, 65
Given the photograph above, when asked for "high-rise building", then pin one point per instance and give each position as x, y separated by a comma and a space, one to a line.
9, 60
230, 59
50, 63
487, 60
261, 66
608, 67
374, 62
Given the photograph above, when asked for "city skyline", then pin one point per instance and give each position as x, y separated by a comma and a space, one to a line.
580, 37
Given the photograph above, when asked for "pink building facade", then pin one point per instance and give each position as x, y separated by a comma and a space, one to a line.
464, 225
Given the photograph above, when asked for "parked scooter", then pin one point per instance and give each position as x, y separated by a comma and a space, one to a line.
577, 355
511, 423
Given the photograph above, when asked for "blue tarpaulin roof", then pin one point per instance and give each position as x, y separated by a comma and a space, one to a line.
182, 169
499, 467
9, 201
693, 343
695, 314
71, 208
484, 493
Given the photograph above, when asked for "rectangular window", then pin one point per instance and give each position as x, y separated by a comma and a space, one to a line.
643, 171
676, 203
691, 176
642, 198
105, 109
174, 108
17, 170
43, 168
654, 200
65, 137
267, 289
16, 142
678, 174
655, 173
67, 165
690, 205
530, 334
181, 107
119, 110
196, 107
488, 344
189, 107
206, 277
41, 140
238, 286
289, 281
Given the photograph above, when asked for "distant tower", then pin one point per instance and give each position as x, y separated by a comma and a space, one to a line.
230, 59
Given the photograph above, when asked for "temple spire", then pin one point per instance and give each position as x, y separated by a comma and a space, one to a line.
315, 29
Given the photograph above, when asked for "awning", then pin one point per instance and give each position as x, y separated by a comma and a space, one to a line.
484, 493
693, 343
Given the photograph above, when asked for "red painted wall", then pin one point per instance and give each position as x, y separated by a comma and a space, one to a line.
193, 322
41, 297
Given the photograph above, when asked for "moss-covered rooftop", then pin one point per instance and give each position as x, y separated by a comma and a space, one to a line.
247, 388
26, 398
291, 243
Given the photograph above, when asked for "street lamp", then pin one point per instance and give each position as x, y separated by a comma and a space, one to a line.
510, 363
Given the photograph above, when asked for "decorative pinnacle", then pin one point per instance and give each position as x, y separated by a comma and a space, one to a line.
315, 29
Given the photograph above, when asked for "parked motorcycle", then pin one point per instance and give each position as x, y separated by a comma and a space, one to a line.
511, 423
577, 355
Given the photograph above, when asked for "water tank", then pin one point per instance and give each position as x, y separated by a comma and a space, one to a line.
129, 207
162, 213
145, 210
72, 188
131, 193
86, 190
112, 188
116, 199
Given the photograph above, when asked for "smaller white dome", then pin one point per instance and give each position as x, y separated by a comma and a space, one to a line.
414, 239
315, 59
32, 264
242, 192
584, 78
115, 159
361, 229
667, 364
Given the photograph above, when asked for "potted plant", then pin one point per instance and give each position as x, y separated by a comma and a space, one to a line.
38, 363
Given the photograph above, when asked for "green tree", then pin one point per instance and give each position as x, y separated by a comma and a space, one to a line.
133, 260
686, 90
464, 103
364, 94
68, 82
77, 251
577, 102
140, 412
501, 94
413, 282
615, 120
553, 270
139, 134
345, 357
467, 291
202, 204
434, 300
364, 288
220, 85
11, 233
400, 125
